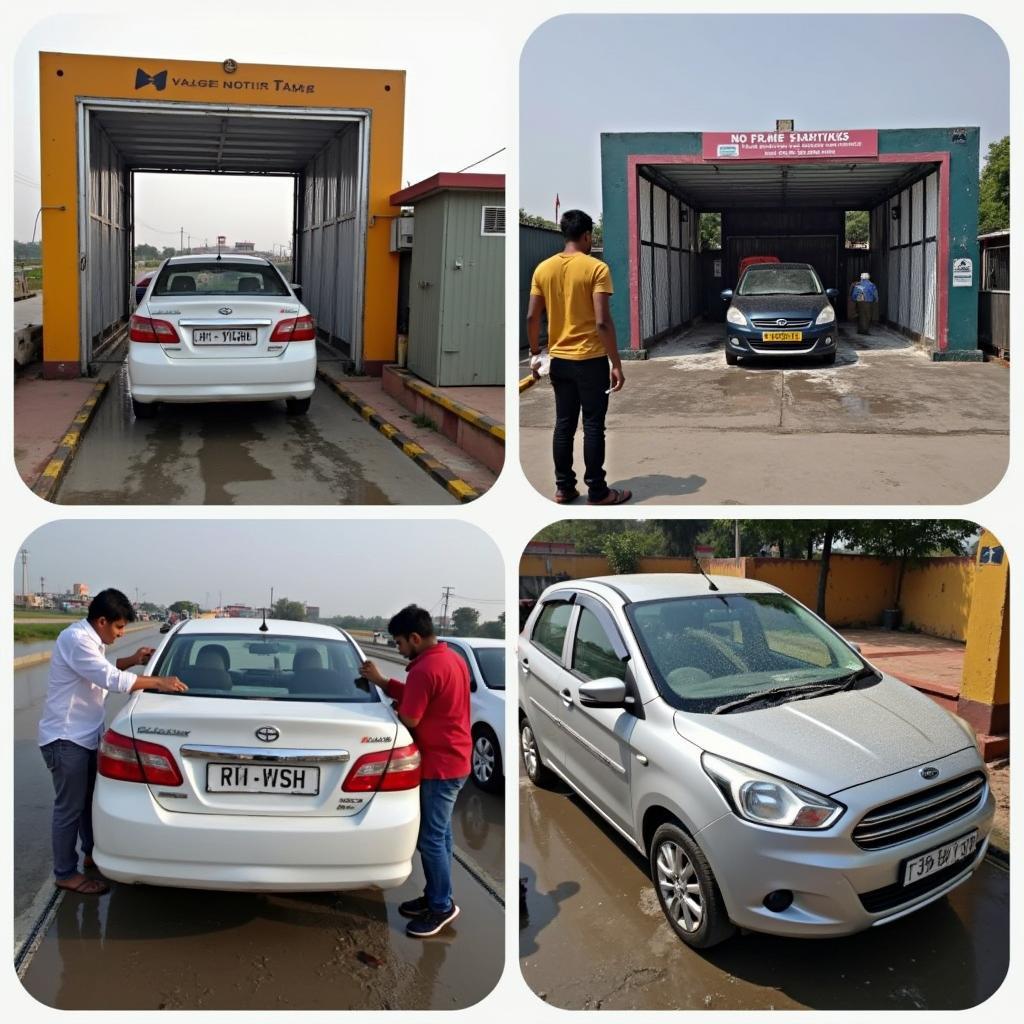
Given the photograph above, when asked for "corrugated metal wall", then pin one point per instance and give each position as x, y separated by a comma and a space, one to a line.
668, 272
108, 271
908, 245
328, 238
535, 245
425, 288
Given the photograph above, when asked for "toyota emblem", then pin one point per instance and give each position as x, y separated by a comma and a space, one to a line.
930, 772
225, 311
267, 734
781, 322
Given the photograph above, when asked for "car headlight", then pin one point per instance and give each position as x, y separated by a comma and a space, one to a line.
767, 800
826, 316
734, 316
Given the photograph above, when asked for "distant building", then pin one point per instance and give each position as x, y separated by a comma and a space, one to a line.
245, 246
80, 589
238, 611
312, 611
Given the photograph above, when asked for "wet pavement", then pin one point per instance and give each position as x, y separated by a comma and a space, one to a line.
687, 428
241, 453
596, 937
187, 949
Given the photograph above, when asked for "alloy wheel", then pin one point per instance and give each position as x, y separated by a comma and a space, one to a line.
679, 887
529, 747
483, 759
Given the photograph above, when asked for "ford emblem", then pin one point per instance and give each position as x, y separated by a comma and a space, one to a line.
225, 311
267, 734
929, 773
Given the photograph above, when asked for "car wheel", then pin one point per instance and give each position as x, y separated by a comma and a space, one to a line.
731, 358
687, 890
297, 406
828, 360
143, 410
486, 763
539, 774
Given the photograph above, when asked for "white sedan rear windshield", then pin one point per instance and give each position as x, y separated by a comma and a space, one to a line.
220, 277
251, 666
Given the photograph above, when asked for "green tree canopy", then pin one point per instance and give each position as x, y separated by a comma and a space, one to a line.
292, 611
145, 252
183, 607
534, 220
167, 252
493, 628
858, 231
994, 188
710, 231
464, 621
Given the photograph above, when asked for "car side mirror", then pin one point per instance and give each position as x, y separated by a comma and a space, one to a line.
603, 693
832, 293
297, 289
727, 295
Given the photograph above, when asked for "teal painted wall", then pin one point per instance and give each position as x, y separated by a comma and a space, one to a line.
964, 165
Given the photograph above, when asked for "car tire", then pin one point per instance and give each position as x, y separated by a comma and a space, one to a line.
537, 772
687, 890
297, 406
143, 410
828, 360
486, 767
731, 358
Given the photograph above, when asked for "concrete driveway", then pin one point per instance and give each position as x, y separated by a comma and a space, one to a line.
884, 425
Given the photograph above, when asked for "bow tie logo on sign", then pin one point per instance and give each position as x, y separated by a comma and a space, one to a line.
158, 81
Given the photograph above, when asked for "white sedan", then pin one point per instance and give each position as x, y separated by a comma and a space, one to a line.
220, 328
279, 769
485, 660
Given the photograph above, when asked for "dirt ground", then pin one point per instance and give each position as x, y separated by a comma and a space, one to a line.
999, 780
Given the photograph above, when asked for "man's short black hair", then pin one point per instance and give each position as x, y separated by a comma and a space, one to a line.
112, 605
412, 619
575, 224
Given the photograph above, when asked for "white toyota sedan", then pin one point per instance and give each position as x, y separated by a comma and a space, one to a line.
279, 769
220, 328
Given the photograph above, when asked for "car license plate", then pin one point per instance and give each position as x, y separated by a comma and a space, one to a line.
224, 337
287, 779
926, 864
783, 336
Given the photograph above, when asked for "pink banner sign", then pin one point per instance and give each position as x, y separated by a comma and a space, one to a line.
823, 145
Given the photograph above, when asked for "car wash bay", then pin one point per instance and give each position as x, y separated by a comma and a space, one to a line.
911, 421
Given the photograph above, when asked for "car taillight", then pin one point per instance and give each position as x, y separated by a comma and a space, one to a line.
121, 757
385, 771
143, 328
302, 328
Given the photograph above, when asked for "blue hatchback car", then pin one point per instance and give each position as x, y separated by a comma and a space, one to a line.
780, 309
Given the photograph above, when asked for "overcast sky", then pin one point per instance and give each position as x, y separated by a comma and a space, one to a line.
457, 106
583, 75
344, 566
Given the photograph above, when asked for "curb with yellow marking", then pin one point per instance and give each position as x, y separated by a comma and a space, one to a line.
527, 382
454, 485
464, 412
48, 481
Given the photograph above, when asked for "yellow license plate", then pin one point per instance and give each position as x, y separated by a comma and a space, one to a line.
783, 336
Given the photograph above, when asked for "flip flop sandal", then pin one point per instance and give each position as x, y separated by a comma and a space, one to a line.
565, 497
87, 887
613, 497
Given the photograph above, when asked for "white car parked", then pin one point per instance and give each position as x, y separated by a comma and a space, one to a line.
220, 328
486, 662
279, 769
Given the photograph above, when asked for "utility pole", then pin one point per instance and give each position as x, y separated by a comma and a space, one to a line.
444, 614
181, 242
736, 538
24, 575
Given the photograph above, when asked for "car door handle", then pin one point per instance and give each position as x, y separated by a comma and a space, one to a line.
524, 663
566, 696
642, 758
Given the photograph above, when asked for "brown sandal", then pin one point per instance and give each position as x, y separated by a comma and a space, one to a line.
86, 887
613, 497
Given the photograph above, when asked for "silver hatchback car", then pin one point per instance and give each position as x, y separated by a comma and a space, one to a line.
774, 779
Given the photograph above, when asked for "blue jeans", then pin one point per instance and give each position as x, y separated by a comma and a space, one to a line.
437, 801
73, 769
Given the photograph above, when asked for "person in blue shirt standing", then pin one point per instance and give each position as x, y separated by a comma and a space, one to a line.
864, 294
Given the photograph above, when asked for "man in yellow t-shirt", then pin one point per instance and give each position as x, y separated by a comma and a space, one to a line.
574, 289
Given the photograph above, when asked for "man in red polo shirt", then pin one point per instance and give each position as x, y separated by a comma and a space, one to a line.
433, 703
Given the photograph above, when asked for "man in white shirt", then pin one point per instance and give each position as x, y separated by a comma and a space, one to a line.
72, 723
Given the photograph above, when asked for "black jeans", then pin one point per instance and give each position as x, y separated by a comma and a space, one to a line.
580, 385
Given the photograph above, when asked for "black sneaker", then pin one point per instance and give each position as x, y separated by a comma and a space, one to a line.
431, 922
414, 908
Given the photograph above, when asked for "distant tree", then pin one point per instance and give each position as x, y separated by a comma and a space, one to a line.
994, 188
362, 622
599, 232
909, 541
144, 252
167, 252
533, 220
858, 231
184, 608
493, 628
293, 611
710, 231
681, 535
26, 251
589, 536
624, 550
464, 621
